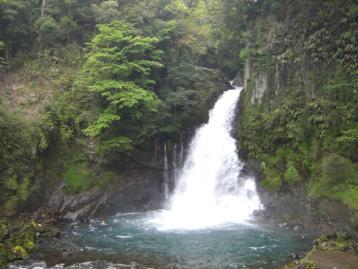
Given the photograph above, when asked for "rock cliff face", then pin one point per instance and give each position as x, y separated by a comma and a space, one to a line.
297, 125
137, 192
290, 204
259, 78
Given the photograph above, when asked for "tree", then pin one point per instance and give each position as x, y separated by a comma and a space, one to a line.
16, 19
106, 11
46, 28
118, 69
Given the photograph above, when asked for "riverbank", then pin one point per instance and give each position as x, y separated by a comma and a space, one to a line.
106, 241
337, 250
20, 236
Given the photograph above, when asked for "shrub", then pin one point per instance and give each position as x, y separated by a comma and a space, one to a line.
291, 174
336, 169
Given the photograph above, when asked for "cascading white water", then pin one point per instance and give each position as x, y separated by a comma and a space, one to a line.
210, 191
166, 173
175, 164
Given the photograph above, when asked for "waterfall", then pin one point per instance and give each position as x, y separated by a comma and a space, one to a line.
181, 152
211, 191
166, 174
175, 165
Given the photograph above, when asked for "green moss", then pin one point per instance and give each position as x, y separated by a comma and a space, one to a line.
29, 246
20, 252
309, 264
80, 176
77, 178
19, 241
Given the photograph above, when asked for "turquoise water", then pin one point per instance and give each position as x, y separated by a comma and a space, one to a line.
131, 237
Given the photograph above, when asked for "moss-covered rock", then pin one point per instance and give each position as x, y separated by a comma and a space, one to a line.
18, 237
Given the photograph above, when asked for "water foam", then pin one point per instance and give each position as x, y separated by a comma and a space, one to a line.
210, 190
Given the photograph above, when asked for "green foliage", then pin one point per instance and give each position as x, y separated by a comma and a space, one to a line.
272, 182
177, 7
17, 143
67, 28
112, 106
309, 110
106, 12
336, 169
115, 145
104, 121
118, 68
348, 143
76, 178
337, 179
291, 174
47, 29
80, 176
20, 252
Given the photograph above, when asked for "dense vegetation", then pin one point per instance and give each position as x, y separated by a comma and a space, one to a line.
302, 125
94, 79
86, 83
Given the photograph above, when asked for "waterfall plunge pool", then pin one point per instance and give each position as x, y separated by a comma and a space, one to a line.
132, 237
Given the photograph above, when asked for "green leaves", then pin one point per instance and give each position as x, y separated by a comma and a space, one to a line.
135, 99
118, 68
117, 144
104, 121
291, 174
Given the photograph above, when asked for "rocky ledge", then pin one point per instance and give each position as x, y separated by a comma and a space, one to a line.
138, 192
329, 251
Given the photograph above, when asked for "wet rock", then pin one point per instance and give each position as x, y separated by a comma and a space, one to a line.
141, 193
294, 256
27, 264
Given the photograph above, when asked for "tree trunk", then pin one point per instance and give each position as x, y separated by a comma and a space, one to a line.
8, 55
43, 6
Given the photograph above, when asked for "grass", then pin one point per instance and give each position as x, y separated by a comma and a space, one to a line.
346, 193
